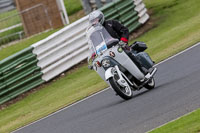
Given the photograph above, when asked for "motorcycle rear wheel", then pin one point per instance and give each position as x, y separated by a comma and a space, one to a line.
150, 85
125, 93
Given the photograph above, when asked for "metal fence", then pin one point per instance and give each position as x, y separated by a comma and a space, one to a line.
11, 26
19, 73
7, 5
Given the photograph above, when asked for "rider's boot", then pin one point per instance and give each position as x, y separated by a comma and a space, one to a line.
144, 70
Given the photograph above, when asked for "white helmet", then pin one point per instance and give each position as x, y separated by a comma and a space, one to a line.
96, 17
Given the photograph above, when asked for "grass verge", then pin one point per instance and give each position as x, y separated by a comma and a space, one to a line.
177, 28
12, 49
11, 35
186, 124
72, 6
6, 22
55, 95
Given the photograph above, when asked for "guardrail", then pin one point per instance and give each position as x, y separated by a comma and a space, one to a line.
63, 49
67, 47
124, 12
60, 51
18, 74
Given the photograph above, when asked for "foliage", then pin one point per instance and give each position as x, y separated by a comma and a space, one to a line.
72, 6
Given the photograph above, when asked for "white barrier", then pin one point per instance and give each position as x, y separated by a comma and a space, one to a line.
144, 18
11, 27
55, 53
68, 47
137, 2
142, 11
65, 63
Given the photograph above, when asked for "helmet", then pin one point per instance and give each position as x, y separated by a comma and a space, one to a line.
96, 17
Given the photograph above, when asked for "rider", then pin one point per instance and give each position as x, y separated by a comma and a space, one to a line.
116, 30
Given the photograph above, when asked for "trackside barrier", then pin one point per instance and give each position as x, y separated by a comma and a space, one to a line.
18, 74
142, 11
67, 47
123, 10
60, 51
130, 13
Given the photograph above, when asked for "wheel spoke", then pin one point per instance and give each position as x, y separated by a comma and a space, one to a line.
126, 90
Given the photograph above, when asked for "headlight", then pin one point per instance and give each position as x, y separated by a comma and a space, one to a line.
106, 63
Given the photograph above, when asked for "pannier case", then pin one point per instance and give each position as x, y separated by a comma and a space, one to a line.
139, 46
145, 59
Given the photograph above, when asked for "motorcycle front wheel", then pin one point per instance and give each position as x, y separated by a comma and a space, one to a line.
124, 92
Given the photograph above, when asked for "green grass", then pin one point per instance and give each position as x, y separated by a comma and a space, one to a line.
14, 30
74, 86
187, 124
10, 35
10, 50
5, 52
6, 14
72, 6
177, 27
9, 21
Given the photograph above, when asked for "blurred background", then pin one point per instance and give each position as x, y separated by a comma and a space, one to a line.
20, 19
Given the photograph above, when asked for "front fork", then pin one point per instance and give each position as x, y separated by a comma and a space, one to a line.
122, 81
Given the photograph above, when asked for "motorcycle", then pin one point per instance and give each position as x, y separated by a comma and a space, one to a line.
116, 65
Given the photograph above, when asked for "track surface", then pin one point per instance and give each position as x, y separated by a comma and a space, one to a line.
177, 92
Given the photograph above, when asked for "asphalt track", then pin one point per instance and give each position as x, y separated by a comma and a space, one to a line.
177, 92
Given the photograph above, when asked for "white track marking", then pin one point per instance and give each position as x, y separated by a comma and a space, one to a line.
178, 54
102, 91
172, 121
61, 110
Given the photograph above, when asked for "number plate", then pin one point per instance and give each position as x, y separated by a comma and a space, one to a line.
101, 48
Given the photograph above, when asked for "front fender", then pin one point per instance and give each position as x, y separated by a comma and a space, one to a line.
109, 73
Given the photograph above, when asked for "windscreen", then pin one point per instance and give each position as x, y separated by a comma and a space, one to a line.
96, 38
98, 34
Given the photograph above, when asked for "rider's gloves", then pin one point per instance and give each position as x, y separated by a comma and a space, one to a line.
122, 43
125, 40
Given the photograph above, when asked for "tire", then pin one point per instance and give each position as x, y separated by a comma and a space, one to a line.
119, 90
150, 85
